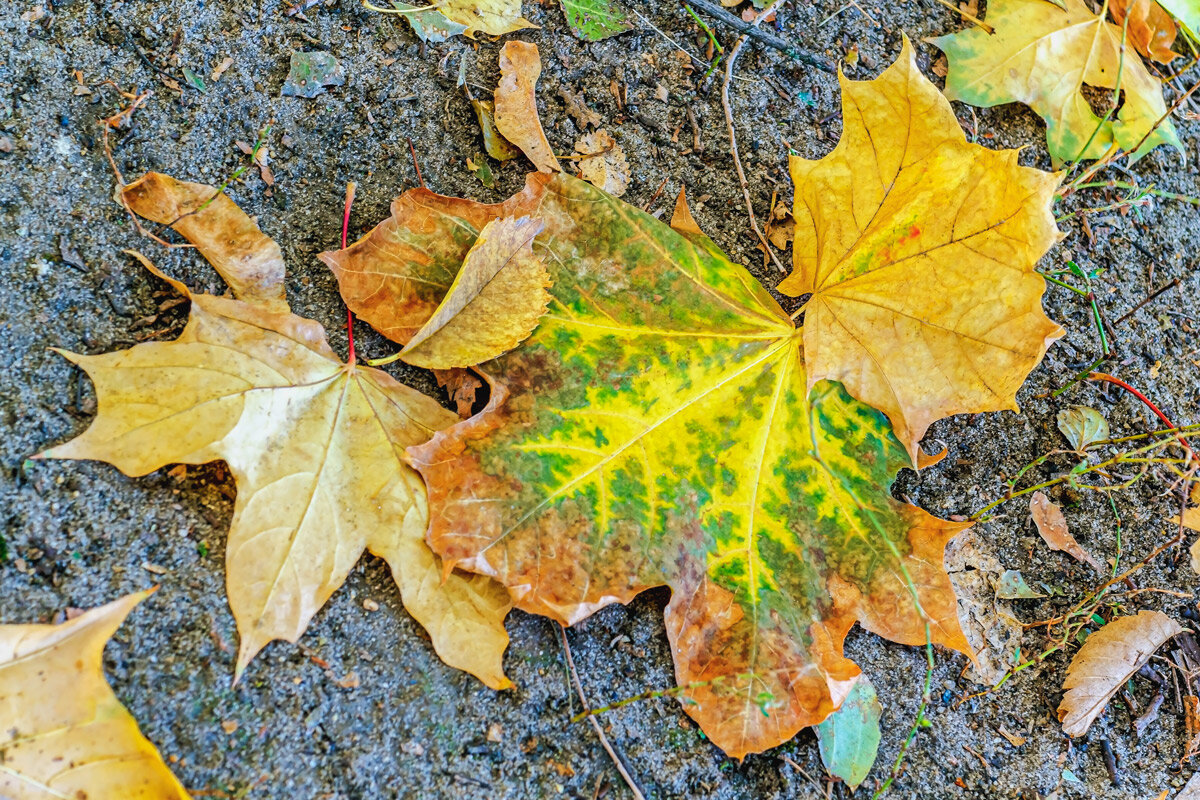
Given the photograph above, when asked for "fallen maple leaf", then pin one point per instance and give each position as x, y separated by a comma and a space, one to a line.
516, 104
249, 261
493, 304
63, 733
657, 428
1150, 28
1108, 658
919, 251
605, 165
316, 448
1052, 526
1043, 55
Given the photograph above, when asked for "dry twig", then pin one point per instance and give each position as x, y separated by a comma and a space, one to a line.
637, 793
733, 147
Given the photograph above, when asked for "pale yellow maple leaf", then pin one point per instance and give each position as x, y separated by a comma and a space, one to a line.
63, 733
316, 447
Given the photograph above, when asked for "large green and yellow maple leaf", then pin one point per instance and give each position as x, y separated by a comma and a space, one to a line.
1043, 55
659, 428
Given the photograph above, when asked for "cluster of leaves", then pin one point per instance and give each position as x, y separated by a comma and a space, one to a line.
655, 417
590, 20
666, 423
1042, 53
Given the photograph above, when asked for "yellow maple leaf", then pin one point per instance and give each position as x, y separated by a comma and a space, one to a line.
1043, 55
63, 733
919, 253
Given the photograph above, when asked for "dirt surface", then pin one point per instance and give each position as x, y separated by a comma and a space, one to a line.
80, 534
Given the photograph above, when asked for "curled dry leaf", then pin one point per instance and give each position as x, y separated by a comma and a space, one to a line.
493, 304
657, 429
1082, 426
496, 145
1108, 658
1043, 56
248, 260
1150, 28
606, 166
63, 732
919, 251
516, 104
1052, 525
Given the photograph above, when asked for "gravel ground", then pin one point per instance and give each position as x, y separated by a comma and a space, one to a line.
79, 534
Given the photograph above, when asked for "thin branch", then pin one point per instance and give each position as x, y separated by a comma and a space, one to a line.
637, 793
752, 30
733, 147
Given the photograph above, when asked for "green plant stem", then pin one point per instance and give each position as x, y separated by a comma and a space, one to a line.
1119, 458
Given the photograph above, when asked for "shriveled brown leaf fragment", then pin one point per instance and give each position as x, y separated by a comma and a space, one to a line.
1108, 658
516, 104
605, 167
63, 733
462, 385
493, 304
1191, 519
246, 258
578, 109
1052, 525
1150, 28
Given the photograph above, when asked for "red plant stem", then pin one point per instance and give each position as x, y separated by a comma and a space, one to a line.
416, 166
350, 187
1102, 376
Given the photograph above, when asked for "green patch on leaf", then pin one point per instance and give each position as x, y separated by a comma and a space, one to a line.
310, 73
429, 24
593, 20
